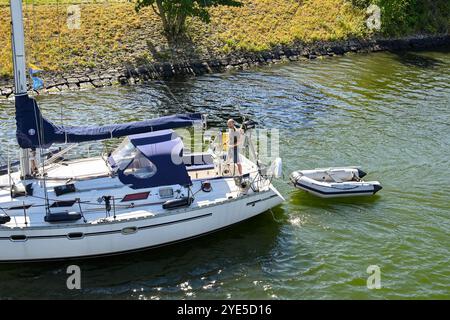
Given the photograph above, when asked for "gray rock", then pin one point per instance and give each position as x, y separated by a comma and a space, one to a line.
60, 82
83, 79
86, 85
63, 87
73, 86
94, 77
97, 83
143, 70
106, 82
52, 90
106, 76
72, 81
123, 80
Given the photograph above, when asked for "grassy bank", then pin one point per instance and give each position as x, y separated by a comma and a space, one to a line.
112, 33
400, 17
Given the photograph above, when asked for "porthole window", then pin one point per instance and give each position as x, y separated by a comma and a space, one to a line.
75, 235
18, 237
129, 230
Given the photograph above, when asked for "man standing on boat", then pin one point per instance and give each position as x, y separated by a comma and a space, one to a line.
234, 144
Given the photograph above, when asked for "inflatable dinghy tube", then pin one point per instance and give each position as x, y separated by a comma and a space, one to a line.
333, 183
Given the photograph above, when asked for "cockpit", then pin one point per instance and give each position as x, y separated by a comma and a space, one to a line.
150, 159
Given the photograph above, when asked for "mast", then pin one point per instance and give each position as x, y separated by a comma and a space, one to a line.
20, 76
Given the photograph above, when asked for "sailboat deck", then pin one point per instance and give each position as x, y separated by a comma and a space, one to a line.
29, 211
82, 168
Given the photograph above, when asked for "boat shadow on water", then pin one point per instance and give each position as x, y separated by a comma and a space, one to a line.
301, 198
418, 60
206, 258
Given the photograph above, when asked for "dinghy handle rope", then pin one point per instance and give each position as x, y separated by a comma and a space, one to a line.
273, 217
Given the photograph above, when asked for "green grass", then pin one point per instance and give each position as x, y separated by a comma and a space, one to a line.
401, 17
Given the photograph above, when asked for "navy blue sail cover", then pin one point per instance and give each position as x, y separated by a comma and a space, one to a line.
164, 149
34, 131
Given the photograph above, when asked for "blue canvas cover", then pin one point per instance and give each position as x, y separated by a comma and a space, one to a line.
34, 131
152, 137
165, 151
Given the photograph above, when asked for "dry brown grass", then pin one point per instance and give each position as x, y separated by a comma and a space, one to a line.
113, 33
261, 24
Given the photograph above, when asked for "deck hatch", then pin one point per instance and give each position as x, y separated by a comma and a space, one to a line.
165, 193
136, 196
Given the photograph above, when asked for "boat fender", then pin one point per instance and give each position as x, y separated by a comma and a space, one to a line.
20, 191
177, 203
206, 186
4, 218
63, 217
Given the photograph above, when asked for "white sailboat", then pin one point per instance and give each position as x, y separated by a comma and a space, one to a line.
149, 192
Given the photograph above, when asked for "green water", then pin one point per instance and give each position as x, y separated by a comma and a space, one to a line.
387, 112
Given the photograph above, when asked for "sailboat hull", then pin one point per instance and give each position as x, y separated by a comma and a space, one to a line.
83, 241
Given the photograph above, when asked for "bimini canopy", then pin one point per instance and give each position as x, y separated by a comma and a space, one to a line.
151, 159
34, 131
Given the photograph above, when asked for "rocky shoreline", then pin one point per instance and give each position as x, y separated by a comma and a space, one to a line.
131, 74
